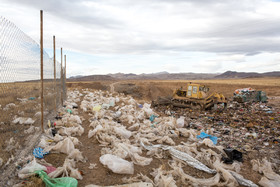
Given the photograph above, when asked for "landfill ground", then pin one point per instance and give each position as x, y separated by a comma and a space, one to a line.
251, 128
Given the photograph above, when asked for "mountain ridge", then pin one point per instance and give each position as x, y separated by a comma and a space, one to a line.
175, 76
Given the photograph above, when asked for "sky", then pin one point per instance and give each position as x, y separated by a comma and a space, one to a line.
149, 36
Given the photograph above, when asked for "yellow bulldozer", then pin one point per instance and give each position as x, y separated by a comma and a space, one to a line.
195, 96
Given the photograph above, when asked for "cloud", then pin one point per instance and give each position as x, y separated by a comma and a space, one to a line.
171, 68
229, 30
147, 26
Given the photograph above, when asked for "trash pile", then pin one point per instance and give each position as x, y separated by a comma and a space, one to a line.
249, 95
132, 134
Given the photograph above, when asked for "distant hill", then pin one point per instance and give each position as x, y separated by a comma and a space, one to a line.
143, 76
91, 78
241, 75
163, 76
175, 76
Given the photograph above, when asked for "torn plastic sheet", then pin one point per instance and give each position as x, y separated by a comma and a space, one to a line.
242, 181
178, 171
182, 156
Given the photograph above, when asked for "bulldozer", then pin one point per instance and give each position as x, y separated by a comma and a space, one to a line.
195, 96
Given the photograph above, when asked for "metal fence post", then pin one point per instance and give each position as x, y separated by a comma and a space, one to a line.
54, 65
61, 77
65, 77
42, 77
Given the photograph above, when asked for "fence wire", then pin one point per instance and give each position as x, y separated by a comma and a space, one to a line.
20, 108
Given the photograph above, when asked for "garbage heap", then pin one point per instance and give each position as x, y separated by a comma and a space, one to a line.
218, 146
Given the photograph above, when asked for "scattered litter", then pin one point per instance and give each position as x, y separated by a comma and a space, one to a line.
31, 130
30, 168
117, 164
92, 166
264, 167
24, 121
8, 106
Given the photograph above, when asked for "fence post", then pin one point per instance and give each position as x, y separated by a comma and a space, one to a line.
65, 76
65, 68
61, 77
42, 77
54, 65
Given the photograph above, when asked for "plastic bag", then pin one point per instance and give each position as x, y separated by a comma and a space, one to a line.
135, 157
117, 164
205, 135
123, 132
96, 108
30, 168
58, 182
76, 155
232, 155
93, 132
66, 146
67, 170
38, 152
181, 122
112, 102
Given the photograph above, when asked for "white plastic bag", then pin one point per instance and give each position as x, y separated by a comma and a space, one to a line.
181, 122
117, 164
112, 102
93, 132
30, 168
66, 146
122, 131
68, 169
76, 155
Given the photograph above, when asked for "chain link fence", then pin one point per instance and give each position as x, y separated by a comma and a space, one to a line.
20, 87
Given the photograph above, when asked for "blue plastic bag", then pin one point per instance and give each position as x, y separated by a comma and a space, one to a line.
205, 135
152, 117
39, 152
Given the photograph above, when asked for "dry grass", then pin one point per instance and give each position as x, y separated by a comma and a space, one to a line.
15, 93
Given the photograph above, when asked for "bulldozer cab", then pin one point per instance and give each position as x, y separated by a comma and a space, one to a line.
193, 91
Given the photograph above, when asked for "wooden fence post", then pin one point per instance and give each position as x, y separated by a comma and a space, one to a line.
42, 77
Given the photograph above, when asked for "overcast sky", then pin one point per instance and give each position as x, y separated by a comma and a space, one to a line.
146, 36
